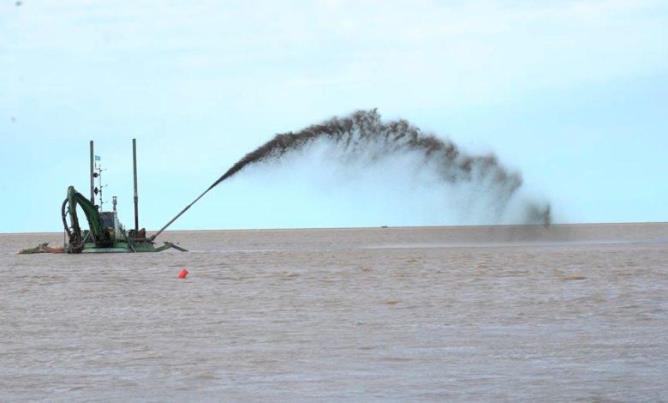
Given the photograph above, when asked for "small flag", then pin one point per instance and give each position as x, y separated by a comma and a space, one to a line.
97, 158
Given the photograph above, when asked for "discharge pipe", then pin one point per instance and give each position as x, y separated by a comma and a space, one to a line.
179, 215
226, 175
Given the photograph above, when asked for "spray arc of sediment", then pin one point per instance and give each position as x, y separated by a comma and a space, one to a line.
364, 133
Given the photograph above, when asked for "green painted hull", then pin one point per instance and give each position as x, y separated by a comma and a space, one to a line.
117, 247
124, 247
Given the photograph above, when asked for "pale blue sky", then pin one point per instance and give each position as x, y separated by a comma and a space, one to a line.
572, 94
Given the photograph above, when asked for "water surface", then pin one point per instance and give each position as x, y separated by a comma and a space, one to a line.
405, 314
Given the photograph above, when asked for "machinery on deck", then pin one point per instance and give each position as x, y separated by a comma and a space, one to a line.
105, 233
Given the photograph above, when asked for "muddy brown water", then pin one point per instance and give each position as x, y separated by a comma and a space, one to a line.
575, 312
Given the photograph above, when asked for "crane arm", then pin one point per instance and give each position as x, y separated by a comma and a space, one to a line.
73, 200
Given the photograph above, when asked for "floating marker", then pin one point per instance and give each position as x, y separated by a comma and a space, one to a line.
183, 273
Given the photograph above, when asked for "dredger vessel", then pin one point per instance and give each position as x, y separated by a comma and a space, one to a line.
105, 232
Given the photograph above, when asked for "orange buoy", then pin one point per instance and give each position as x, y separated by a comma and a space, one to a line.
183, 273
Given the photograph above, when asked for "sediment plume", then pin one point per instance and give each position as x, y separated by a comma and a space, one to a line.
364, 134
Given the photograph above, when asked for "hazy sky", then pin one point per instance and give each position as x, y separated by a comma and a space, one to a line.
572, 94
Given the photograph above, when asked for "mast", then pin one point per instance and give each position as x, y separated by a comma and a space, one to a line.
134, 171
92, 174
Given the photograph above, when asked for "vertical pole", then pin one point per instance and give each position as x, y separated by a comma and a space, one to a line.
100, 187
92, 171
134, 169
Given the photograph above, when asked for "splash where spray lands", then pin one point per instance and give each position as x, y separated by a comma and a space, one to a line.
364, 134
